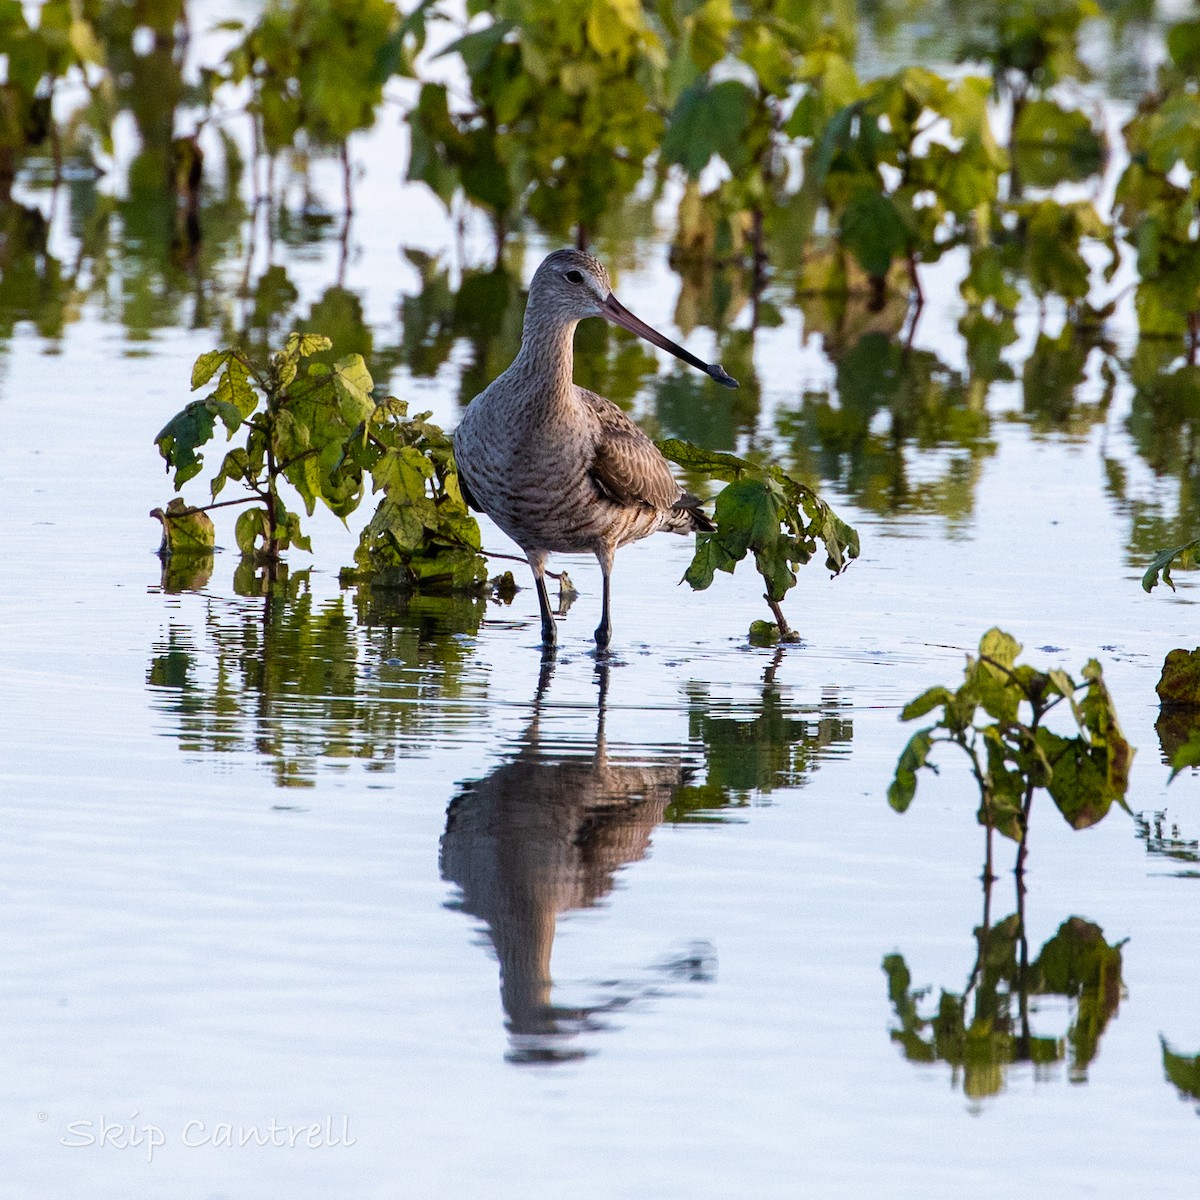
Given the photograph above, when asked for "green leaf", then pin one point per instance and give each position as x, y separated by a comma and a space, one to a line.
1000, 647
707, 121
711, 556
252, 526
302, 345
234, 388
914, 756
207, 365
714, 463
874, 231
186, 530
179, 439
1055, 144
354, 385
1164, 560
926, 702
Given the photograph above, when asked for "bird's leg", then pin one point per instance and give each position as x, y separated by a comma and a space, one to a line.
604, 629
549, 631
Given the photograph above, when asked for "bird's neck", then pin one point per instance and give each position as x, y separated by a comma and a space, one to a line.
546, 361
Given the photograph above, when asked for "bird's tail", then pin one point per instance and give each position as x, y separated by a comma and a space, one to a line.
686, 516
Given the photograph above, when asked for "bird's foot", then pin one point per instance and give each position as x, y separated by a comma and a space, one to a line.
603, 636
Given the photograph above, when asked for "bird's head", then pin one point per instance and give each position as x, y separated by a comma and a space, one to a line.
571, 285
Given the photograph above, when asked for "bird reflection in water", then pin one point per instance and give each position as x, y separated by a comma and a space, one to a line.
545, 832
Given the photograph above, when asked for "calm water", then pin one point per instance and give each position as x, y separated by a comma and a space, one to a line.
264, 857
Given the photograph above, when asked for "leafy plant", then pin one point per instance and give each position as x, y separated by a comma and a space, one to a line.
422, 536
316, 70
1157, 194
560, 119
746, 116
1031, 46
38, 60
896, 193
1182, 556
1014, 753
298, 426
762, 510
983, 1030
319, 430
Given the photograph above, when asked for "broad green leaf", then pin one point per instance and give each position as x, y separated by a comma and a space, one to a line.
236, 465
179, 439
302, 345
186, 530
230, 415
1000, 647
207, 365
873, 231
747, 511
710, 462
914, 756
354, 385
234, 388
1056, 144
711, 556
1081, 783
252, 526
707, 121
1164, 560
926, 702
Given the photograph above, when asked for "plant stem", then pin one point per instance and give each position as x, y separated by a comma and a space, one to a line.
786, 632
191, 511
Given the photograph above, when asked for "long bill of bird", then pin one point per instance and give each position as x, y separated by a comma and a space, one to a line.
618, 314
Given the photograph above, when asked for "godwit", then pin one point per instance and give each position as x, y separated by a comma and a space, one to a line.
558, 468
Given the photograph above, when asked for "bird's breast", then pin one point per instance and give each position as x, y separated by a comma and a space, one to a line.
533, 478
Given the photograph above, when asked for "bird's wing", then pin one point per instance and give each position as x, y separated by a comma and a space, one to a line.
628, 467
468, 498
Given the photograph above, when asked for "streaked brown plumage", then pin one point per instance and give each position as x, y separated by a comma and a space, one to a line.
558, 468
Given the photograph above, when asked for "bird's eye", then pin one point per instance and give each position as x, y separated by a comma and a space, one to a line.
575, 276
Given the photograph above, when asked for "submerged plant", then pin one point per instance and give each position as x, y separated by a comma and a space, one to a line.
763, 510
1014, 754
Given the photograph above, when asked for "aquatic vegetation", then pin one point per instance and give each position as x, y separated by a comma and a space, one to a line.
764, 510
421, 536
1176, 556
1015, 754
297, 428
561, 116
321, 431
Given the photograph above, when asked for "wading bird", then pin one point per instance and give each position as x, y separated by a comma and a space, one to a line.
558, 468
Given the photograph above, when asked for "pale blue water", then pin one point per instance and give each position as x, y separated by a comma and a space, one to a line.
193, 951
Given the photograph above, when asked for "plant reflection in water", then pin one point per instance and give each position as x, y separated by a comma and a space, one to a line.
989, 1026
300, 681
